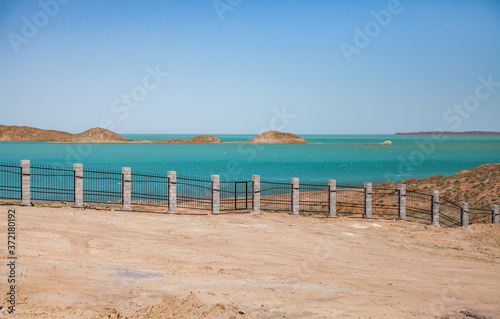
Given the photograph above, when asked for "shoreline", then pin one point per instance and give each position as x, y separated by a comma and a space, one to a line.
176, 142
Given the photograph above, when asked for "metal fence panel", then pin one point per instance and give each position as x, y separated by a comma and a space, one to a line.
10, 181
102, 186
385, 202
194, 192
235, 195
350, 200
449, 213
52, 184
149, 189
418, 207
275, 196
479, 215
313, 197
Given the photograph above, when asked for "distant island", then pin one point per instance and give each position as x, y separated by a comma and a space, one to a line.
451, 133
100, 135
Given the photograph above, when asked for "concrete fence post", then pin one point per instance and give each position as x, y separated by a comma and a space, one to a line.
435, 207
216, 194
126, 188
25, 183
494, 214
402, 201
256, 193
172, 191
464, 214
368, 200
295, 196
78, 189
332, 198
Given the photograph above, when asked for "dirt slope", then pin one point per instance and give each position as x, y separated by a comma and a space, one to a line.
275, 137
479, 186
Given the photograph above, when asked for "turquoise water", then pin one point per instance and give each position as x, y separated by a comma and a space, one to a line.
344, 159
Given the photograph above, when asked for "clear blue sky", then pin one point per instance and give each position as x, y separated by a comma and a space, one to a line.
228, 75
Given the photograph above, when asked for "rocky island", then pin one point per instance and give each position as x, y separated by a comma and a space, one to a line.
101, 135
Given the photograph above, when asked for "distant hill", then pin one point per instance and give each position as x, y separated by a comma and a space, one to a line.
451, 133
96, 134
275, 137
479, 186
270, 137
196, 139
32, 134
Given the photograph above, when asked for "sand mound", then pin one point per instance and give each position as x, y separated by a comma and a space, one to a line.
196, 139
482, 235
275, 137
30, 134
189, 307
96, 134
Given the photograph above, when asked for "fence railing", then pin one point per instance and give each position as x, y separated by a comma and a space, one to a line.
194, 192
350, 200
149, 189
10, 181
136, 190
313, 198
235, 195
275, 196
102, 186
52, 183
419, 207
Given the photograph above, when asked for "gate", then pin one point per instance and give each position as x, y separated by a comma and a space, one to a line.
235, 195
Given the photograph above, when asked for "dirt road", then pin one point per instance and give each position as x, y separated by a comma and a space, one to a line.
99, 264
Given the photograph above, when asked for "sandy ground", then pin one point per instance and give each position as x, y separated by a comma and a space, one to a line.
101, 264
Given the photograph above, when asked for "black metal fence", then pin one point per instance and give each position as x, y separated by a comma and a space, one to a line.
418, 207
275, 196
385, 202
10, 181
149, 189
350, 200
194, 192
235, 195
479, 215
449, 213
313, 198
57, 184
102, 186
52, 184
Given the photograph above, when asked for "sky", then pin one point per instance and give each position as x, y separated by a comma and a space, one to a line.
246, 66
